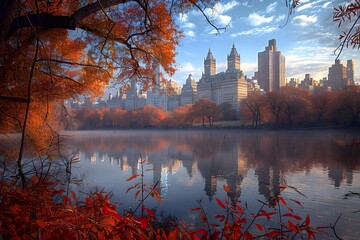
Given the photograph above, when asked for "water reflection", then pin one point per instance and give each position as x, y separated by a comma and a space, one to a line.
206, 160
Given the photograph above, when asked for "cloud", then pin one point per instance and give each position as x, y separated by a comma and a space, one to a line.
308, 59
256, 19
271, 8
310, 5
189, 33
183, 17
185, 68
221, 8
304, 20
280, 18
326, 4
256, 31
189, 25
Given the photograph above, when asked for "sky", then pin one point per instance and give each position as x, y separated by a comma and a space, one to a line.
307, 39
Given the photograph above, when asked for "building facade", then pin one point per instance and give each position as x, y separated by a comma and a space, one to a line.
189, 91
271, 68
340, 76
224, 87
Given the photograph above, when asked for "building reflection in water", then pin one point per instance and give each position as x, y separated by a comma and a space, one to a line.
225, 156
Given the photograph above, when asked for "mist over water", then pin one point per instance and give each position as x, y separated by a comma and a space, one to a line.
195, 164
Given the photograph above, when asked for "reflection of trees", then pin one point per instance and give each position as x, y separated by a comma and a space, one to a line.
228, 154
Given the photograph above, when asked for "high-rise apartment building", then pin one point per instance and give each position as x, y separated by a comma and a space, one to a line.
340, 76
271, 68
224, 87
189, 91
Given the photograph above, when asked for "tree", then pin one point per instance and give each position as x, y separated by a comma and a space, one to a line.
295, 103
348, 12
44, 62
255, 102
205, 108
274, 104
321, 105
349, 103
227, 112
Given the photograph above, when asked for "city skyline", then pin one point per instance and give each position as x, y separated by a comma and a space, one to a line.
307, 39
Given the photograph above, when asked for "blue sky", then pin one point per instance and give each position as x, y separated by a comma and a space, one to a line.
307, 41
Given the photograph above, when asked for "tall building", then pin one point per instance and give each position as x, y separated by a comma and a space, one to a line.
224, 87
271, 68
340, 76
157, 96
189, 91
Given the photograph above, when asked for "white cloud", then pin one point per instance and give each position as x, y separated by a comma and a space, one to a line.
256, 31
220, 8
280, 18
326, 4
224, 20
189, 33
271, 8
189, 25
311, 5
256, 20
186, 68
183, 17
304, 20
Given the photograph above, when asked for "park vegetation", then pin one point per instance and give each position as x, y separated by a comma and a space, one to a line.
288, 108
54, 50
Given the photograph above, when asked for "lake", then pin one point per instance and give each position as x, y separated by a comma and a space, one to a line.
319, 168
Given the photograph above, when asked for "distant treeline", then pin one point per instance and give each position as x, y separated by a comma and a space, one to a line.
289, 107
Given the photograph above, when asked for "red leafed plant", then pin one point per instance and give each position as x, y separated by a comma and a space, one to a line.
43, 210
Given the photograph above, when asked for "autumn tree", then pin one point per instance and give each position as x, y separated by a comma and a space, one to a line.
348, 104
255, 103
205, 108
182, 115
44, 61
274, 104
321, 105
295, 103
227, 112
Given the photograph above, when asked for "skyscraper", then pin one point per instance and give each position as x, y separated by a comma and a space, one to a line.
271, 68
340, 76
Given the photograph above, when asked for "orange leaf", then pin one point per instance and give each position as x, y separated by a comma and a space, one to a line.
220, 203
132, 177
34, 180
173, 235
109, 221
227, 188
73, 195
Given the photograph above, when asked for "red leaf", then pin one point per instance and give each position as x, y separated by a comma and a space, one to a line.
282, 201
203, 218
201, 232
41, 223
66, 200
272, 234
149, 212
297, 202
132, 177
227, 188
293, 227
307, 221
109, 221
259, 227
34, 180
220, 217
195, 209
292, 216
220, 203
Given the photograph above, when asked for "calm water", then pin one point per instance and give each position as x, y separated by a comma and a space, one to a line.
194, 165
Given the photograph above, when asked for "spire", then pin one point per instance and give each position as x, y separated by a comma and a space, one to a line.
210, 56
233, 51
